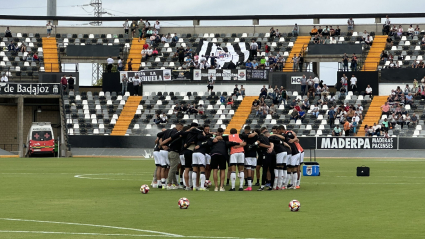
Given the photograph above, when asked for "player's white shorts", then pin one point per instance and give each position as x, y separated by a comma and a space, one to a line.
295, 160
302, 158
208, 159
281, 158
237, 158
163, 155
251, 162
287, 159
156, 157
198, 159
182, 161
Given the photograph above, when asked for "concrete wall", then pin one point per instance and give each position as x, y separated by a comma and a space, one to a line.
9, 121
304, 29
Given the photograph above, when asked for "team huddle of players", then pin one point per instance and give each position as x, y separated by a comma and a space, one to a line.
195, 152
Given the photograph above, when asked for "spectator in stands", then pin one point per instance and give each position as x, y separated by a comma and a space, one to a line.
169, 38
280, 63
136, 83
391, 65
311, 92
8, 33
353, 62
23, 48
306, 104
248, 65
110, 63
331, 31
149, 52
272, 109
368, 40
295, 62
71, 83
417, 30
326, 40
313, 31
35, 57
350, 24
316, 39
141, 26
407, 89
120, 64
12, 47
385, 109
368, 90
177, 108
410, 30
397, 65
163, 39
222, 100
332, 116
414, 120
384, 56
267, 49
347, 127
344, 81
133, 27
253, 50
389, 41
161, 119
124, 83
420, 64
151, 36
263, 91
293, 104
326, 31
125, 25
300, 62
64, 82
409, 99
236, 91
277, 33
4, 78
400, 31
319, 31
325, 91
270, 92
316, 81
175, 38
295, 30
393, 31
353, 82
254, 64
345, 62
272, 32
337, 31
49, 27
336, 131
157, 26
364, 35
294, 115
201, 109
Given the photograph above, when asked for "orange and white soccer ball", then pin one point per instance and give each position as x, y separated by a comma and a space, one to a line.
294, 205
183, 203
144, 189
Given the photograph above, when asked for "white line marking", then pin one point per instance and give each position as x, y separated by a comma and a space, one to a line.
127, 235
91, 225
81, 233
161, 234
88, 176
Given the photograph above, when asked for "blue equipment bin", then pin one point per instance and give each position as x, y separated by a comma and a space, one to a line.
311, 169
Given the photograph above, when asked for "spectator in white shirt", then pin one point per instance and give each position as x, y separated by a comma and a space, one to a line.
120, 64
4, 78
253, 50
353, 82
125, 25
410, 30
110, 62
316, 82
365, 34
369, 90
157, 25
163, 39
368, 40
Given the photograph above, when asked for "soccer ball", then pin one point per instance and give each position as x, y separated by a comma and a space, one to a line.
294, 205
208, 183
183, 203
144, 189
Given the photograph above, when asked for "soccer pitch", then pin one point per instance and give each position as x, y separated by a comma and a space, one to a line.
100, 198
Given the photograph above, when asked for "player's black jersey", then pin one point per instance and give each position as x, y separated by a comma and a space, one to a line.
288, 136
250, 152
278, 146
159, 135
264, 140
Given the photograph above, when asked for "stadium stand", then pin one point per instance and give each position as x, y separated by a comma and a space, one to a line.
50, 52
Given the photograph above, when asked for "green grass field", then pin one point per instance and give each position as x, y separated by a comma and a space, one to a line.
44, 198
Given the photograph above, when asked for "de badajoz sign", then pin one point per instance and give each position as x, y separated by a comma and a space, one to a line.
28, 89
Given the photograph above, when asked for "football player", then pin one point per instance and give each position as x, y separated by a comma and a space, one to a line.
267, 152
250, 151
236, 158
290, 139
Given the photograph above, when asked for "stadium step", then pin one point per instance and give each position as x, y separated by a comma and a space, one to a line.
374, 56
50, 54
127, 114
135, 53
241, 114
373, 114
302, 41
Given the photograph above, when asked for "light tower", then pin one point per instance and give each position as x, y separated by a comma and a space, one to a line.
97, 68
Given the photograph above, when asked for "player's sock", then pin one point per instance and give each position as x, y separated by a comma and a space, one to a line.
202, 177
276, 177
249, 179
233, 179
279, 177
190, 179
241, 179
163, 182
258, 181
181, 179
294, 178
284, 177
288, 177
227, 181
246, 180
194, 179
299, 181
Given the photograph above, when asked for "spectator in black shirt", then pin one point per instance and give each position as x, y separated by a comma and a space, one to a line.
337, 31
316, 39
345, 62
300, 62
236, 91
8, 33
71, 83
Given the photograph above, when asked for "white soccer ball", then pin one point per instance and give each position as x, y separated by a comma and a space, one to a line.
294, 205
144, 189
208, 183
183, 203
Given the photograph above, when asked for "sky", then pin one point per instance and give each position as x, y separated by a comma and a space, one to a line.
209, 8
